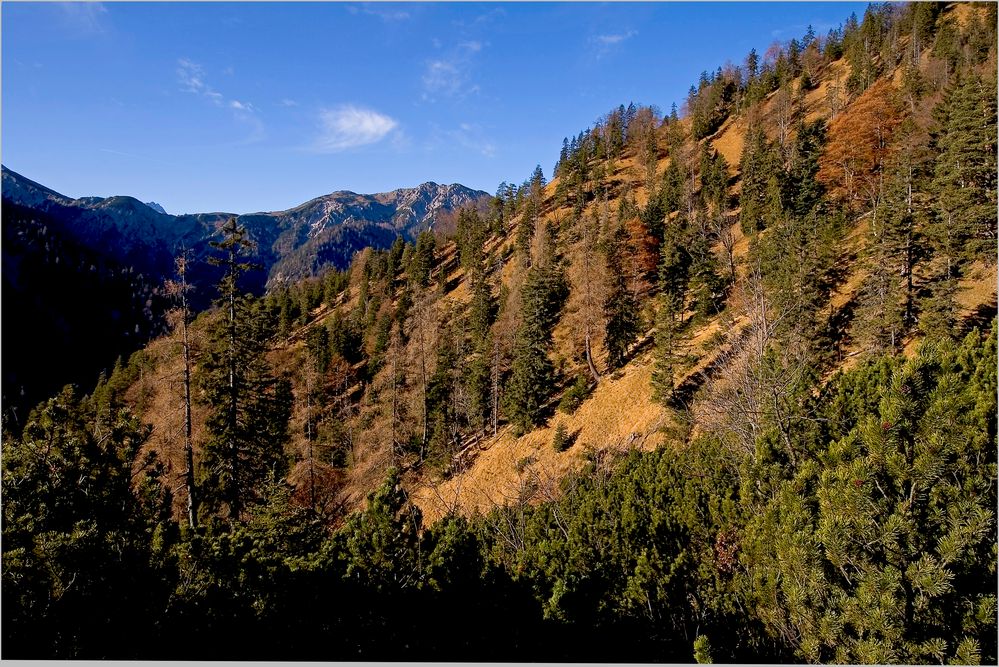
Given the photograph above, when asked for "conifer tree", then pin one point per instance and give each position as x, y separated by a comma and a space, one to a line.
442, 417
471, 235
900, 528
180, 290
81, 505
707, 287
532, 379
674, 278
964, 180
620, 306
422, 262
674, 266
880, 321
248, 407
667, 351
802, 189
758, 164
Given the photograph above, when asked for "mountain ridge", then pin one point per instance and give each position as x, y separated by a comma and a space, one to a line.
136, 245
293, 243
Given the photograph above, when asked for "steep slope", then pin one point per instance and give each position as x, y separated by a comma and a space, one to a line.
797, 292
125, 239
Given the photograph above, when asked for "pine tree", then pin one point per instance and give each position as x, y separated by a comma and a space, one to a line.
620, 305
880, 320
898, 528
758, 164
532, 378
964, 179
667, 351
248, 407
81, 505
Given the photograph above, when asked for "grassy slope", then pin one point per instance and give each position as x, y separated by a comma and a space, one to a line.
618, 416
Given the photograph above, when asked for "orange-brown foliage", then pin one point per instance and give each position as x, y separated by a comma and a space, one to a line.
860, 143
642, 256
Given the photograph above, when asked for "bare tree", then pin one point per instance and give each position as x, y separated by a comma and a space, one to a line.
784, 116
179, 290
587, 276
721, 229
753, 378
422, 332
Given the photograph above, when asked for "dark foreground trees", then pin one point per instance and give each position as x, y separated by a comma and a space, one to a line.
877, 545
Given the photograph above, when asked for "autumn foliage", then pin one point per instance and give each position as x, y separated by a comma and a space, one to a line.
861, 144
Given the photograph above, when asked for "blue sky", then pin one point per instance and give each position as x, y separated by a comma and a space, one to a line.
243, 107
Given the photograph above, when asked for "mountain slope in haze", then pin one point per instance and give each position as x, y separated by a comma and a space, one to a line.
85, 272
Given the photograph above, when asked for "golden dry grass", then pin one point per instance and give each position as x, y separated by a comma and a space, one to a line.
618, 416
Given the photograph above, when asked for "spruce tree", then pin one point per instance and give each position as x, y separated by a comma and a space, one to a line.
707, 287
674, 278
532, 379
620, 306
758, 164
881, 316
667, 356
422, 262
964, 179
248, 407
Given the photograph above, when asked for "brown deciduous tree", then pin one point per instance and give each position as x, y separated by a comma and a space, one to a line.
860, 145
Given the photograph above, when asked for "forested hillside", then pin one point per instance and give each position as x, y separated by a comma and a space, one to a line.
90, 271
723, 388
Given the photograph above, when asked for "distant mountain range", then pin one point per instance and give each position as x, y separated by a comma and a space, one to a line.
305, 240
82, 274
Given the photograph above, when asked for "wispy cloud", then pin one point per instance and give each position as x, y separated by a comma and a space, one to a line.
348, 126
385, 12
191, 77
451, 74
442, 77
287, 102
83, 18
606, 42
472, 137
480, 19
610, 40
